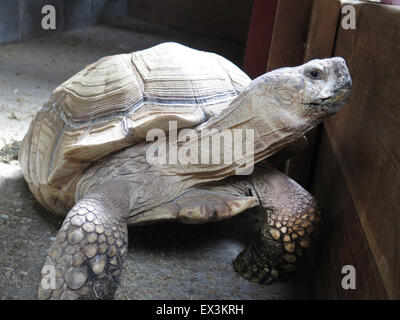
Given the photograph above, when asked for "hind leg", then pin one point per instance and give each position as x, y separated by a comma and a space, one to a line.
292, 224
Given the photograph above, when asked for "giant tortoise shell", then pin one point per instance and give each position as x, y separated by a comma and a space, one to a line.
85, 156
111, 104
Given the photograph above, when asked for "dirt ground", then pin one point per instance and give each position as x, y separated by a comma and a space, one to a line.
165, 261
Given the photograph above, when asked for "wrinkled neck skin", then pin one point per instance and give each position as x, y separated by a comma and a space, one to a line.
276, 120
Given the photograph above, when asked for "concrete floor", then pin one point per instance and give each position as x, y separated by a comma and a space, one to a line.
165, 261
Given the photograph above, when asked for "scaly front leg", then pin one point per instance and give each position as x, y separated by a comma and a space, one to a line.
291, 227
86, 258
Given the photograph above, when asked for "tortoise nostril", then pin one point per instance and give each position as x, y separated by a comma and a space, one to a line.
346, 85
349, 83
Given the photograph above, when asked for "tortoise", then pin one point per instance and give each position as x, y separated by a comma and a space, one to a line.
86, 156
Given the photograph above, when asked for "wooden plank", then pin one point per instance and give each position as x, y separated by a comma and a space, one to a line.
344, 242
259, 37
322, 32
300, 166
365, 135
287, 49
225, 19
323, 20
290, 34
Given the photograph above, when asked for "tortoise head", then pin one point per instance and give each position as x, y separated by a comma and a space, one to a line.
316, 89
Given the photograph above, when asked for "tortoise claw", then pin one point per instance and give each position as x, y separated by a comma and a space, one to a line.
248, 266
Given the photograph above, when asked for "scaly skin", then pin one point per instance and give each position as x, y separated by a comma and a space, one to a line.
292, 223
90, 247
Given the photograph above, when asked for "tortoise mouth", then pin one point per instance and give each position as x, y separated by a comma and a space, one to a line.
333, 103
329, 107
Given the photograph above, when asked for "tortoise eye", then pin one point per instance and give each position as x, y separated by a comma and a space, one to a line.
315, 74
